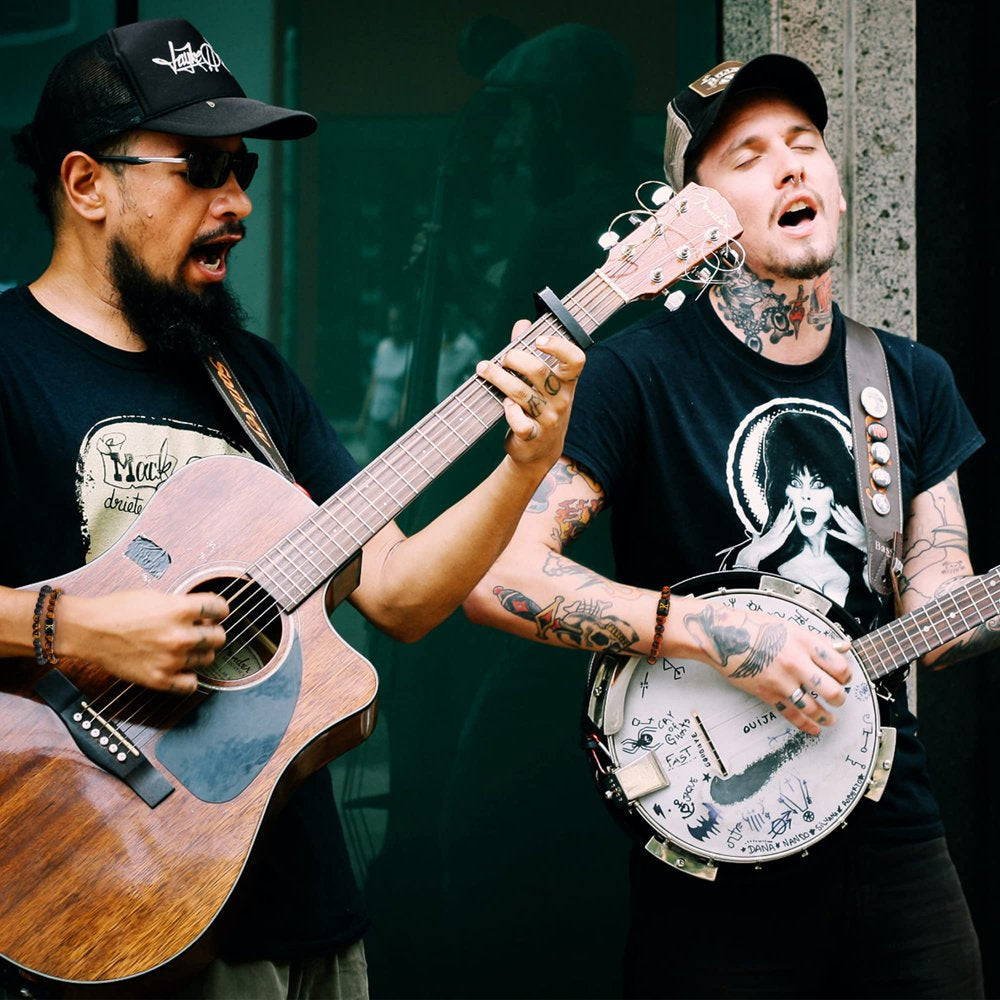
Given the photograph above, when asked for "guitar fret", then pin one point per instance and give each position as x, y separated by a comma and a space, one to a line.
932, 625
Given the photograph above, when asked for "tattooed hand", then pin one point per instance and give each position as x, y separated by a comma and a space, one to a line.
538, 386
801, 674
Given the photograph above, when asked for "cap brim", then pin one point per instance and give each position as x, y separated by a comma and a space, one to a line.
234, 116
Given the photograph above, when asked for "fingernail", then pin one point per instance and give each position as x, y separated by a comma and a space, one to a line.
481, 367
542, 341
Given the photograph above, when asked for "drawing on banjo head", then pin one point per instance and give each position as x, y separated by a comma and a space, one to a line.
716, 775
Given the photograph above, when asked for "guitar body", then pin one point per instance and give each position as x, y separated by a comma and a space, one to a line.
99, 885
713, 773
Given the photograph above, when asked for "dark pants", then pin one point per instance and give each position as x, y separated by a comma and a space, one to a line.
847, 921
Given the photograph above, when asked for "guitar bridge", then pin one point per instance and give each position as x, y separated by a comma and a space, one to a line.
100, 741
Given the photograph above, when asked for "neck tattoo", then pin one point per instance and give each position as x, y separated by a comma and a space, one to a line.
758, 313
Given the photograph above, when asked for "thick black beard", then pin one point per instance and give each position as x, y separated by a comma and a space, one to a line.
171, 320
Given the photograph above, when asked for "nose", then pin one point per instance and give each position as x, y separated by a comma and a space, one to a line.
791, 170
231, 201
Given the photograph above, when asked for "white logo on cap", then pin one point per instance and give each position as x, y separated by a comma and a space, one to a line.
187, 60
716, 79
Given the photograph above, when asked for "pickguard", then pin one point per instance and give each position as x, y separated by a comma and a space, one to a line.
225, 742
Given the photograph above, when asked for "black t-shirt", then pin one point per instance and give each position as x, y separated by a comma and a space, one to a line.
87, 434
679, 422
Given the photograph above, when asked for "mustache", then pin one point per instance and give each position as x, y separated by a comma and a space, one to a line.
234, 227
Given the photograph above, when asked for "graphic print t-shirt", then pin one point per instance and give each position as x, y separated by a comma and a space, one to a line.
713, 457
88, 434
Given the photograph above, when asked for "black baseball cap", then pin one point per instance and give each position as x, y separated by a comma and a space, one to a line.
692, 113
161, 75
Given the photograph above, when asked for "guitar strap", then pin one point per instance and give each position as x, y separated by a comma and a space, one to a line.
224, 379
876, 457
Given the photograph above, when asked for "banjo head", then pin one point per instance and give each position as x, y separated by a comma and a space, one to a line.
716, 772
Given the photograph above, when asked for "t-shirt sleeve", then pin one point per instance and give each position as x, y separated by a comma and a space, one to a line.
943, 426
604, 424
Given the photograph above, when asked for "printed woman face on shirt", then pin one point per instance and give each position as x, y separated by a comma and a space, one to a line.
812, 502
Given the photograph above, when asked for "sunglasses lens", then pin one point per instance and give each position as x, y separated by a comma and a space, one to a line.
245, 166
210, 168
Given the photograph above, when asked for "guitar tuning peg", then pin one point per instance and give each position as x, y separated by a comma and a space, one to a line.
607, 240
674, 300
662, 195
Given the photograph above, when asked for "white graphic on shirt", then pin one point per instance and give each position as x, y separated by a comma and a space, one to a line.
187, 60
122, 463
791, 478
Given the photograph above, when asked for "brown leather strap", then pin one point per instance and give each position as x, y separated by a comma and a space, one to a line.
224, 379
876, 456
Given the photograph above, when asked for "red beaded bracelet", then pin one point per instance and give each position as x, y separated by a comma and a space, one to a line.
662, 610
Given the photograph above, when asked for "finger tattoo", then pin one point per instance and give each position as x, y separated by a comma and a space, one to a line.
780, 706
534, 405
552, 384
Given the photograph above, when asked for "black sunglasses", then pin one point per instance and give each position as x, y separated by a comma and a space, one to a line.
206, 168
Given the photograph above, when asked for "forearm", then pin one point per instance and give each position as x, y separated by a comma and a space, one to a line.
411, 584
16, 614
538, 594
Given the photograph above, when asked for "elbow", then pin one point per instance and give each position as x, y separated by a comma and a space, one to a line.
479, 603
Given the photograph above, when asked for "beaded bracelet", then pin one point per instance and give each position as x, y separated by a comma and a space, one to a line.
43, 626
662, 610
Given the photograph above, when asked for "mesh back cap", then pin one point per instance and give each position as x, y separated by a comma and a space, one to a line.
693, 113
161, 75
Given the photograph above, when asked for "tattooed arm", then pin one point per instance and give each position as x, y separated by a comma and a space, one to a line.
535, 591
936, 560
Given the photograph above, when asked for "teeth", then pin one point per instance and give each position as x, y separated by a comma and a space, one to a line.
796, 206
214, 264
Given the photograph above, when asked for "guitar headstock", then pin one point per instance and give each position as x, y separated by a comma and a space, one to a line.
691, 234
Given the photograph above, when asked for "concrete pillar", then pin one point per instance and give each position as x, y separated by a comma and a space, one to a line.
865, 56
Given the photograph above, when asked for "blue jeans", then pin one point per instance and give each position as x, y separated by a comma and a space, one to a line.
849, 920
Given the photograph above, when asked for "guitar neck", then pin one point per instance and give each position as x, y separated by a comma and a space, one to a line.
689, 229
316, 549
930, 626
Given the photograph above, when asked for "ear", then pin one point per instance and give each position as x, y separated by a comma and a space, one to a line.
84, 183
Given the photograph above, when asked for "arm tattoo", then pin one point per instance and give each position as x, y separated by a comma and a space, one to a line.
555, 565
560, 474
943, 552
572, 516
582, 625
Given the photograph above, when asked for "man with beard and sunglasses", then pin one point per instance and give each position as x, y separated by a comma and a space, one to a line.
137, 149
674, 424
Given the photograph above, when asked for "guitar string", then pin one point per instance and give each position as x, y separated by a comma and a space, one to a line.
590, 304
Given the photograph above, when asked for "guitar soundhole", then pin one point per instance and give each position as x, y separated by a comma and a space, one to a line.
253, 634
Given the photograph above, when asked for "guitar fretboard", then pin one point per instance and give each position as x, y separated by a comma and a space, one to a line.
312, 552
930, 626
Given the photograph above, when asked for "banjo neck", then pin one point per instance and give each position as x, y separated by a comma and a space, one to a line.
930, 626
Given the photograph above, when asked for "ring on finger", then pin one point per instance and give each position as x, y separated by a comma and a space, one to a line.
798, 698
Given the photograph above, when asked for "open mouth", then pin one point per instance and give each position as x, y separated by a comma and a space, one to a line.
212, 257
796, 213
808, 516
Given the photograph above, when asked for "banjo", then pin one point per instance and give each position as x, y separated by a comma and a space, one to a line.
715, 774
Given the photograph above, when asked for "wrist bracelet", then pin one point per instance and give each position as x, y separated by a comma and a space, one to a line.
662, 610
43, 626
